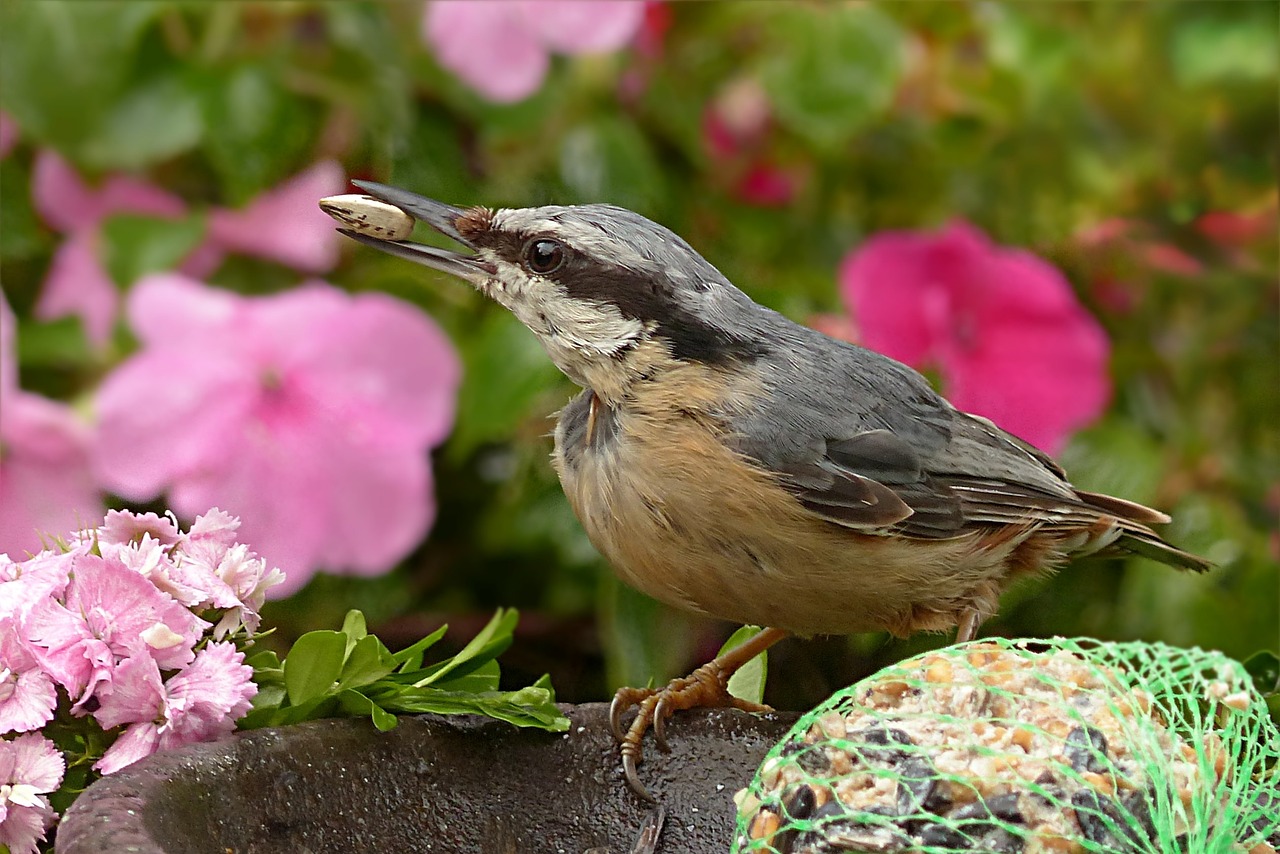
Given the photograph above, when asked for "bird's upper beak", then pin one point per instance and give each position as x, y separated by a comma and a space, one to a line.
443, 218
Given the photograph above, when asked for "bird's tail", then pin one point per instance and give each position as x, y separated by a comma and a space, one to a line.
1135, 535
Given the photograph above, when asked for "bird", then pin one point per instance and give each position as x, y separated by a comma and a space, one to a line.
730, 462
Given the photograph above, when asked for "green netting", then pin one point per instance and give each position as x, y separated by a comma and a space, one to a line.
1027, 746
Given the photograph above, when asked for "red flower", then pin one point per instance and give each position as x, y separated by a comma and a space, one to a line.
1002, 326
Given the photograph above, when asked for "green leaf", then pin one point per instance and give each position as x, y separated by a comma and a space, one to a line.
483, 678
410, 658
65, 66
1238, 45
610, 159
353, 626
257, 132
489, 643
356, 703
367, 661
20, 234
155, 121
135, 246
833, 69
313, 665
748, 682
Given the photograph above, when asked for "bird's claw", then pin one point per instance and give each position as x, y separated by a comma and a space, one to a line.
707, 687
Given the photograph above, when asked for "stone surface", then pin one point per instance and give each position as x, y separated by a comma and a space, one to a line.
432, 784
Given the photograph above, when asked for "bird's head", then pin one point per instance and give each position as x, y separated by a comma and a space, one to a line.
611, 295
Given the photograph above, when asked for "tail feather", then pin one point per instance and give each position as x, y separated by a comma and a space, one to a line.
1149, 545
1139, 539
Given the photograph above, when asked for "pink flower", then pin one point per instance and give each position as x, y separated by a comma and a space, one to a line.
1002, 326
77, 283
30, 767
309, 414
110, 613
45, 481
27, 693
200, 703
282, 225
501, 47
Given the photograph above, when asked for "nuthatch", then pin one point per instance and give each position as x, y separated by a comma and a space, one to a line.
730, 462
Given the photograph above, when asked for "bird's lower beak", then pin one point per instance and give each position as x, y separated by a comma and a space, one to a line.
443, 218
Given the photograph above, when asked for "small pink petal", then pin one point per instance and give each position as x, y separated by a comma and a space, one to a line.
68, 204
583, 26
136, 694
138, 741
60, 196
488, 45
46, 486
285, 224
77, 284
37, 762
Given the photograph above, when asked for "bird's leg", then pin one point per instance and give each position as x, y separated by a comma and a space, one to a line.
708, 686
967, 630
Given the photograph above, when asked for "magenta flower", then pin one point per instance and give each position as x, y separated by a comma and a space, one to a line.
110, 613
309, 414
77, 283
200, 703
1002, 326
501, 48
45, 480
30, 767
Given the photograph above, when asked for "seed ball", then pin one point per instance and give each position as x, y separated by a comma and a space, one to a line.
369, 216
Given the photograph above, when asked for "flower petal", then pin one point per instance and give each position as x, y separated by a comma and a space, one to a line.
488, 45
285, 224
584, 26
77, 284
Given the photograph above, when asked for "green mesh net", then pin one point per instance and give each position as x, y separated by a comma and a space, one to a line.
1027, 746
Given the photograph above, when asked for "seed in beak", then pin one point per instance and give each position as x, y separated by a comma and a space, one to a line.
369, 216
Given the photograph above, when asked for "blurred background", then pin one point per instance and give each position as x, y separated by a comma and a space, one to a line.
862, 167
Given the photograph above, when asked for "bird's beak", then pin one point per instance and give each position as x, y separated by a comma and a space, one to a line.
443, 218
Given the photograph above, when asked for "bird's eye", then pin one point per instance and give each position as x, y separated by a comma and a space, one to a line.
543, 256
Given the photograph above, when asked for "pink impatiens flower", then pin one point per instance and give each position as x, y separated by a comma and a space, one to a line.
283, 224
45, 481
31, 766
501, 48
77, 282
1002, 326
200, 703
308, 414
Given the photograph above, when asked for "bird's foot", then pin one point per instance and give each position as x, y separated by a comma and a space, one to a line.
706, 687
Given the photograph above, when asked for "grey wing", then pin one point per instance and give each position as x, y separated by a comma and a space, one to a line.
864, 442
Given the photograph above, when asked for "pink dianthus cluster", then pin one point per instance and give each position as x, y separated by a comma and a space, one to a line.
131, 628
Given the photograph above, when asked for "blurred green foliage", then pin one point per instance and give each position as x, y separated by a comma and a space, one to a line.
1036, 121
